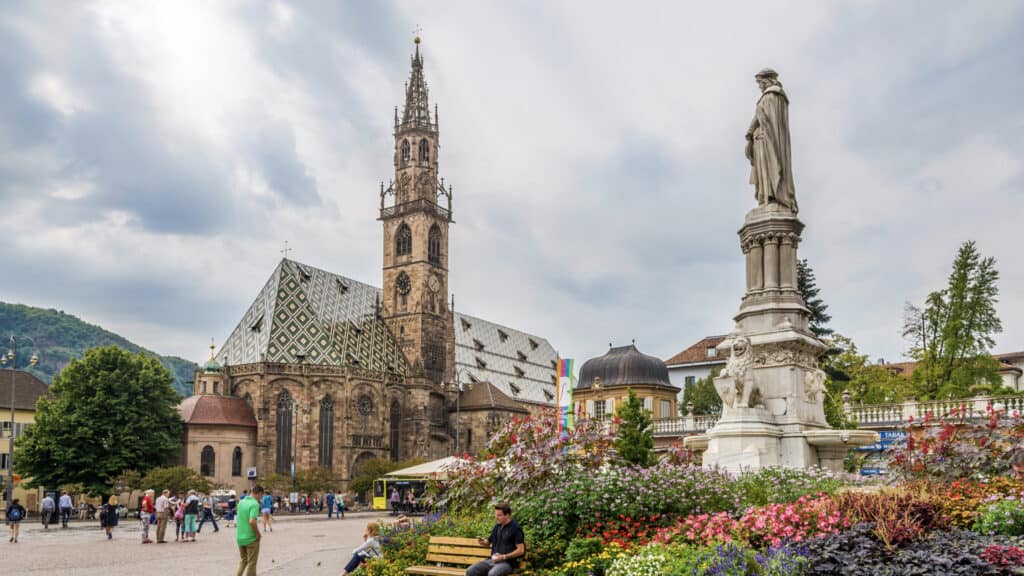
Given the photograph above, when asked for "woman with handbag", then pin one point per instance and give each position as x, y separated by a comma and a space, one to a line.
108, 516
179, 517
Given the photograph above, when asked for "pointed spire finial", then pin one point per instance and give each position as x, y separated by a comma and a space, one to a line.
286, 250
212, 348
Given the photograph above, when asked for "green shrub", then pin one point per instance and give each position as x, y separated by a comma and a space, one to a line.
1004, 517
778, 485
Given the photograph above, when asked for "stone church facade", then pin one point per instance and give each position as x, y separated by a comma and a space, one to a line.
325, 371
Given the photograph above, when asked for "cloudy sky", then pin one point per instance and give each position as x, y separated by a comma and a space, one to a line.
154, 156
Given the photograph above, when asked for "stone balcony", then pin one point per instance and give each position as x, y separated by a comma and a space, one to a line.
868, 416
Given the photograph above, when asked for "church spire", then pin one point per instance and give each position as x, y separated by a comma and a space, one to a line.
416, 113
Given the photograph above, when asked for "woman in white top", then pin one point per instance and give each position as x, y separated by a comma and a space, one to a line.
369, 549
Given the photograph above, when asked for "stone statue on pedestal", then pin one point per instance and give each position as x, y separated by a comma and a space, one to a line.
771, 167
736, 386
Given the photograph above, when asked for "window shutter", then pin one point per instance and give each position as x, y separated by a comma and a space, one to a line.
590, 408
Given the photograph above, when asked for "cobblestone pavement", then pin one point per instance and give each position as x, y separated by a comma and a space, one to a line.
305, 545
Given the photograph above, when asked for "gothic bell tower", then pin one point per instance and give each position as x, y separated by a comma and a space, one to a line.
416, 210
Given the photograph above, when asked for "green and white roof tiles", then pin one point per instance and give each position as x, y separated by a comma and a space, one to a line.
332, 320
303, 310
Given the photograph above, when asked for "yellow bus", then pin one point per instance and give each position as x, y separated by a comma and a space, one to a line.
382, 488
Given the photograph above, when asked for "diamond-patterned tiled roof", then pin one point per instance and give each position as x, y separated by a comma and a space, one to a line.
332, 319
328, 318
521, 365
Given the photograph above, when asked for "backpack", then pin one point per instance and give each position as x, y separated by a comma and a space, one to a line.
179, 513
15, 514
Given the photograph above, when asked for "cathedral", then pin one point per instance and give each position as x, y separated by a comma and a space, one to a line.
326, 371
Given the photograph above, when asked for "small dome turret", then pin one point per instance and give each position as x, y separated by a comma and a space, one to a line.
211, 366
624, 366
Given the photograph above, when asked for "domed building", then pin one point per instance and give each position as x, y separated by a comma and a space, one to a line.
604, 383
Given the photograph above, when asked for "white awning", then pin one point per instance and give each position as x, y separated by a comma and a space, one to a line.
433, 469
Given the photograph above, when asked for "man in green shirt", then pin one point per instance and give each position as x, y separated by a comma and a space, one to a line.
247, 533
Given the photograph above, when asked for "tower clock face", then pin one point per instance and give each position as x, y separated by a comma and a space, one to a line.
403, 283
433, 283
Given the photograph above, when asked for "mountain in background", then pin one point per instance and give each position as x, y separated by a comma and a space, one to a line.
60, 337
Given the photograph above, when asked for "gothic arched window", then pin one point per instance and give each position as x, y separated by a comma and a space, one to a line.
236, 461
403, 240
284, 433
424, 151
207, 461
434, 245
405, 152
396, 430
326, 455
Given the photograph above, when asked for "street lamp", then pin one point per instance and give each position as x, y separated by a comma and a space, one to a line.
12, 357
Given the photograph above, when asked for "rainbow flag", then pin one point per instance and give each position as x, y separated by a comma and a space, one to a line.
564, 394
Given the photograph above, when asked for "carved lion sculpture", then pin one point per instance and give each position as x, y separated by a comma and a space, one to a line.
736, 384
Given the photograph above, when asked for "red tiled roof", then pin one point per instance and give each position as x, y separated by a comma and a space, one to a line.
907, 368
27, 390
698, 352
217, 410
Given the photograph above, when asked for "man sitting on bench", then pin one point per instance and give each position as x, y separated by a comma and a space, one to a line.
508, 545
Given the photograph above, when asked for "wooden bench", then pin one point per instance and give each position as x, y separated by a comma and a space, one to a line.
462, 552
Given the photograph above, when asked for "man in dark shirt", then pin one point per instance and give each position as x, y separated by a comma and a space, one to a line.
508, 545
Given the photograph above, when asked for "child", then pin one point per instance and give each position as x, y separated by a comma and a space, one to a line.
369, 549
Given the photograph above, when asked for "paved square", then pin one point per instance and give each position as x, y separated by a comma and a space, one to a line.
307, 545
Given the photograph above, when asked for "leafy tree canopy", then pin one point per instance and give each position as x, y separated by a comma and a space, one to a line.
375, 468
177, 479
318, 479
634, 440
703, 395
852, 372
111, 411
950, 337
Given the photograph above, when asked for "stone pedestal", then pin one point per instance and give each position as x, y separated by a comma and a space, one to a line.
772, 389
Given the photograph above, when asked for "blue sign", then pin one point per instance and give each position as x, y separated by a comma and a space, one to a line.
872, 471
886, 439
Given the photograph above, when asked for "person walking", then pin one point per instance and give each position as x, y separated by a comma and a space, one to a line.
508, 545
341, 505
163, 508
266, 507
179, 517
396, 501
370, 548
247, 535
47, 508
108, 517
410, 502
207, 514
15, 514
191, 511
83, 508
229, 516
65, 508
146, 512
329, 499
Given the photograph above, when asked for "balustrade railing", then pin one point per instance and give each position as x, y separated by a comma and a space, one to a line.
415, 206
689, 424
888, 415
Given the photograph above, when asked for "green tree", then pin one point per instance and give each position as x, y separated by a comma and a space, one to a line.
375, 468
318, 479
852, 372
176, 479
634, 439
277, 482
110, 411
703, 395
807, 284
951, 335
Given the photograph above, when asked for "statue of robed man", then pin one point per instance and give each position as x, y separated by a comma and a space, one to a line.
771, 168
